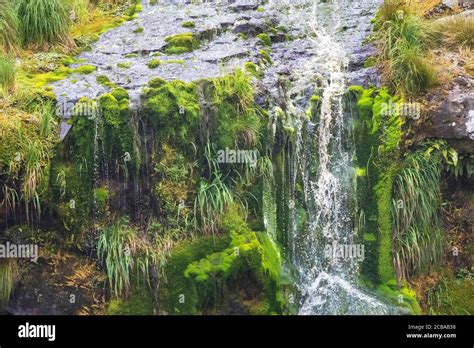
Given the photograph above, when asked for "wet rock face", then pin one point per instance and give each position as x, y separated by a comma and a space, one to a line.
227, 32
453, 118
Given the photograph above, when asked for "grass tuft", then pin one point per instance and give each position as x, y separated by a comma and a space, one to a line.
7, 73
9, 23
43, 21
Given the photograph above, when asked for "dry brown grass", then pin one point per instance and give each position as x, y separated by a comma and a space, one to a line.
423, 6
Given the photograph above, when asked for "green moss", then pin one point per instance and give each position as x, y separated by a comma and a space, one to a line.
131, 55
132, 12
384, 192
124, 65
265, 56
377, 135
156, 83
238, 124
173, 61
102, 79
120, 94
451, 296
404, 297
370, 62
154, 63
117, 135
140, 302
85, 69
181, 43
139, 30
369, 237
246, 251
260, 9
188, 24
253, 69
243, 36
173, 110
180, 294
264, 39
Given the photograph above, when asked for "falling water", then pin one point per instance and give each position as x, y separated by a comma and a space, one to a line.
324, 162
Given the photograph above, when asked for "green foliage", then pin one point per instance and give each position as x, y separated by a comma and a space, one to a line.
404, 38
181, 295
253, 69
9, 23
26, 149
188, 24
102, 79
451, 161
43, 21
85, 69
124, 65
8, 274
212, 198
173, 110
265, 56
78, 10
383, 193
451, 296
124, 252
238, 123
391, 10
139, 30
377, 134
140, 301
116, 136
181, 43
204, 278
154, 63
418, 240
399, 296
264, 39
131, 55
174, 187
101, 196
7, 73
456, 32
404, 202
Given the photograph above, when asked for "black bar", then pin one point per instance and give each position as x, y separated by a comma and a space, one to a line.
242, 330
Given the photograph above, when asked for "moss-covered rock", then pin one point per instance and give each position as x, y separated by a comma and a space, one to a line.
181, 43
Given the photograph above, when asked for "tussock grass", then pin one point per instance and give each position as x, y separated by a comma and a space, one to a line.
7, 73
9, 23
79, 10
417, 235
212, 198
43, 22
404, 39
8, 274
456, 32
125, 254
390, 10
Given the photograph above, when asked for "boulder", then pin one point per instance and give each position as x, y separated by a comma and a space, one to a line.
453, 117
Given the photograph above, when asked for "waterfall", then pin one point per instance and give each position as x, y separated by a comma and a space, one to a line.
323, 251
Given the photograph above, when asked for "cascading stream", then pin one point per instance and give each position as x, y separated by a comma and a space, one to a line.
327, 278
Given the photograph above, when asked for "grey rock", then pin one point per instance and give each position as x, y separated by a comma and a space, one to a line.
453, 119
